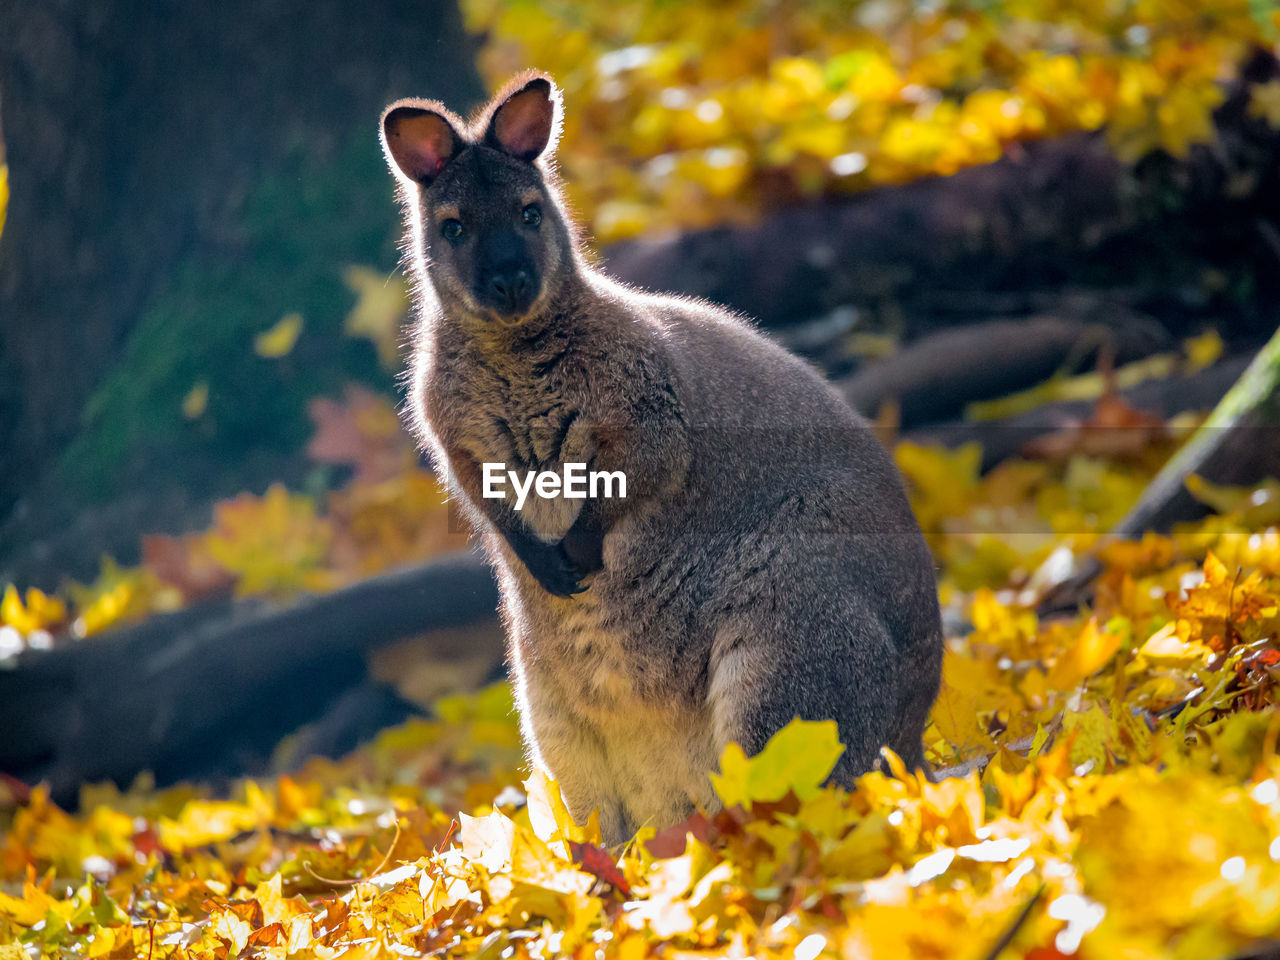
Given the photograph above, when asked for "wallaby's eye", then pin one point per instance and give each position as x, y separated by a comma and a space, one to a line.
531, 216
451, 229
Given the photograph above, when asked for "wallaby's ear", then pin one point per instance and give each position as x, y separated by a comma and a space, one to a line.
419, 138
526, 121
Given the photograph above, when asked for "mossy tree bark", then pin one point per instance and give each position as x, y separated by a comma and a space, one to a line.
163, 155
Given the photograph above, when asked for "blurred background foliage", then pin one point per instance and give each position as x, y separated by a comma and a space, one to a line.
186, 267
688, 115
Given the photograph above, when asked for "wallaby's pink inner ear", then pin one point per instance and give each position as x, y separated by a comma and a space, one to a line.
419, 141
524, 125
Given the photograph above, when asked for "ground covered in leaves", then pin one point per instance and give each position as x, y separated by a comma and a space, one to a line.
1115, 788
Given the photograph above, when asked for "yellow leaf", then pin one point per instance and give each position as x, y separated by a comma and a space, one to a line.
32, 907
1035, 687
280, 339
1166, 648
1264, 102
1038, 741
207, 821
4, 194
548, 814
275, 543
38, 613
957, 720
796, 759
939, 479
1089, 746
107, 941
119, 594
230, 928
381, 303
1215, 571
1202, 351
196, 401
1093, 649
867, 850
487, 840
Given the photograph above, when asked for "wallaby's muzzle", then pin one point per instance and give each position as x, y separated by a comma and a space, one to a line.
510, 291
506, 271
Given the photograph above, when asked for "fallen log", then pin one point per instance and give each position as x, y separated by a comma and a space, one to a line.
210, 691
987, 228
1048, 215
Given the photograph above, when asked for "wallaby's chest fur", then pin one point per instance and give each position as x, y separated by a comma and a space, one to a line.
605, 704
537, 404
763, 564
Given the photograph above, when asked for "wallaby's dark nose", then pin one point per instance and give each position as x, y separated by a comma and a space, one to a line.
511, 288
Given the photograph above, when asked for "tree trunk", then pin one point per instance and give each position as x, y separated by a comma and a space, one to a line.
135, 131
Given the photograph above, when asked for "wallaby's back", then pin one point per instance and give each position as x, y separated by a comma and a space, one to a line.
791, 503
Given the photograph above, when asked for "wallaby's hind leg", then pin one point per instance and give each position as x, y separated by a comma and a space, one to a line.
922, 669
814, 667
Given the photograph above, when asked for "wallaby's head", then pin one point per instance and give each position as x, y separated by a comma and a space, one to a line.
485, 215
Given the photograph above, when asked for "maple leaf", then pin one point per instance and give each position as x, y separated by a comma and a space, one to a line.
40, 612
1089, 654
671, 841
1088, 733
273, 544
488, 840
1166, 648
797, 759
119, 595
363, 431
1115, 429
599, 864
957, 720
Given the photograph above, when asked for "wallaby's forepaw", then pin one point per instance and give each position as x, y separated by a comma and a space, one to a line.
556, 572
548, 564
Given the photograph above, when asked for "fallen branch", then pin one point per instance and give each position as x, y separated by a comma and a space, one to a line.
938, 375
1239, 443
1008, 436
975, 230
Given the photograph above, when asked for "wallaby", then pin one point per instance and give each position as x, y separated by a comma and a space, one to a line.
763, 564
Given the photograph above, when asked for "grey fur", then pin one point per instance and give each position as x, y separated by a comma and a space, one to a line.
765, 563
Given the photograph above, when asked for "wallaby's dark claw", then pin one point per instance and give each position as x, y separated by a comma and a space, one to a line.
560, 579
547, 563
